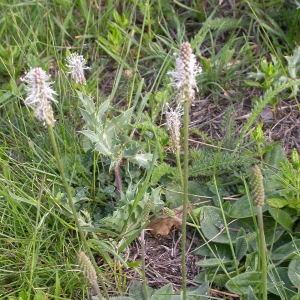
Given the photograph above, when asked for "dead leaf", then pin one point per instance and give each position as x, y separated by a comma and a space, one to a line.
161, 225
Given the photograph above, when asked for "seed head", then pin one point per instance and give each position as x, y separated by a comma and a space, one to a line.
87, 268
77, 64
185, 73
257, 187
39, 93
174, 124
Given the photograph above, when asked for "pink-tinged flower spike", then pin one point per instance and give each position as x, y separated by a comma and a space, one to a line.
77, 64
185, 73
174, 124
39, 93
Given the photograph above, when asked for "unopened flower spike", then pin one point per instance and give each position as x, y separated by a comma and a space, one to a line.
40, 93
257, 185
77, 65
88, 271
185, 73
174, 124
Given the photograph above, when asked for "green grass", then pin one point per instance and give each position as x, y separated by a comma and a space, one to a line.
129, 48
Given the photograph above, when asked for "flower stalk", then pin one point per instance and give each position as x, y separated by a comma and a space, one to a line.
184, 80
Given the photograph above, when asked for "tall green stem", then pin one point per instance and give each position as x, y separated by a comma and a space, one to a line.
185, 192
263, 257
177, 154
71, 204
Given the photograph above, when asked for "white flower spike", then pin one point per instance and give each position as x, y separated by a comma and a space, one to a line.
38, 87
39, 92
185, 73
77, 64
174, 124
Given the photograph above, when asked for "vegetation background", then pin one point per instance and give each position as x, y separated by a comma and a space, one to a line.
116, 154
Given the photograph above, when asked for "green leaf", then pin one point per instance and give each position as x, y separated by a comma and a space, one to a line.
40, 295
240, 283
24, 295
241, 208
132, 235
277, 202
123, 120
250, 294
134, 264
104, 247
211, 220
275, 156
213, 262
143, 160
294, 63
279, 283
87, 102
252, 261
253, 83
103, 145
241, 247
222, 250
286, 252
195, 294
132, 151
282, 217
165, 293
91, 135
174, 194
294, 272
57, 290
102, 109
22, 199
136, 291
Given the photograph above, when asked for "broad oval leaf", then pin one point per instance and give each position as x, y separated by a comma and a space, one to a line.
213, 262
277, 202
294, 272
282, 217
286, 252
240, 283
241, 247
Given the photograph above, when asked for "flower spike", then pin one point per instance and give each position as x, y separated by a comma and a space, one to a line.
77, 64
185, 73
39, 92
174, 124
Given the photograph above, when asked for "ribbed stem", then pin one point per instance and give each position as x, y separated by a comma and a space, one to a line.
177, 154
263, 256
185, 193
71, 204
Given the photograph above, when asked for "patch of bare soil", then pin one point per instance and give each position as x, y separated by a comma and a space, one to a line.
163, 259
